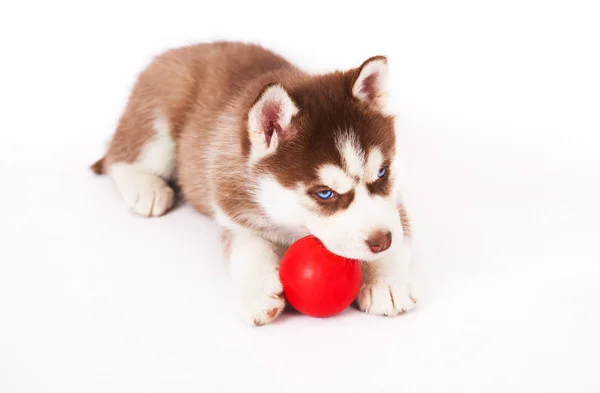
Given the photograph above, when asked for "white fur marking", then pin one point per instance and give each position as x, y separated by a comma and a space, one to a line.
285, 209
158, 155
352, 154
374, 163
334, 177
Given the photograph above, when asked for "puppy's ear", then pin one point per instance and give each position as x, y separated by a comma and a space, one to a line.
269, 120
371, 84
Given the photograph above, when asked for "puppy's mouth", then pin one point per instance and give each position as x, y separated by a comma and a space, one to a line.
363, 255
370, 256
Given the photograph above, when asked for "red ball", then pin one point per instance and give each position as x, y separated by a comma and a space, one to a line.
317, 282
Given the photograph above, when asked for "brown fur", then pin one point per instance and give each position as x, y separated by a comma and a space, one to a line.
98, 167
405, 220
192, 86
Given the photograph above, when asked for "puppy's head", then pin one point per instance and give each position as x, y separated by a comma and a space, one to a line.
322, 150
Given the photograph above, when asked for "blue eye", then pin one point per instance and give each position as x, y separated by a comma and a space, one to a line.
325, 194
381, 173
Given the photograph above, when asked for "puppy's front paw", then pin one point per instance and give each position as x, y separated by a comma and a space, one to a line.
386, 297
261, 298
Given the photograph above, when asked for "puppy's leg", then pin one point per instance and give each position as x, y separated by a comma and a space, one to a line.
254, 267
140, 161
141, 155
387, 288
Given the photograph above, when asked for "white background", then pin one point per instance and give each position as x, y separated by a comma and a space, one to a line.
499, 124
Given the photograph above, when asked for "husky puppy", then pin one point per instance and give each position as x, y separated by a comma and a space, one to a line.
272, 153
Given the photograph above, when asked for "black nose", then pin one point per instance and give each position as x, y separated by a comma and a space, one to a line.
379, 241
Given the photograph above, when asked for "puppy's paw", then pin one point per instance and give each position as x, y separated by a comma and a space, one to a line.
386, 297
261, 298
148, 196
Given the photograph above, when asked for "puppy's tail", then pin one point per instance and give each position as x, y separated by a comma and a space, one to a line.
98, 166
